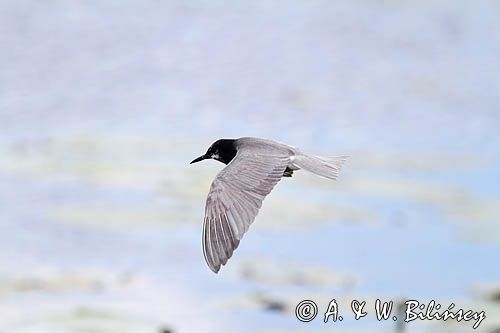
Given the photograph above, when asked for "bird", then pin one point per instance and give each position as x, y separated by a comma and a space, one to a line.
253, 167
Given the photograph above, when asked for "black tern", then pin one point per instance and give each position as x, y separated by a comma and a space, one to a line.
254, 167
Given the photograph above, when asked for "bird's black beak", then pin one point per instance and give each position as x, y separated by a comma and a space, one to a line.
201, 158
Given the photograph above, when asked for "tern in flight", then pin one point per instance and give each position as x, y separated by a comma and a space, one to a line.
254, 167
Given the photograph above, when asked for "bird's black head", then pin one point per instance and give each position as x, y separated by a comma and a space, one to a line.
222, 150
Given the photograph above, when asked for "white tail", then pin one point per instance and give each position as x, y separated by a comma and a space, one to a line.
328, 167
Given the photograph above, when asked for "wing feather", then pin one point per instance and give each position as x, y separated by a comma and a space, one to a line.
234, 200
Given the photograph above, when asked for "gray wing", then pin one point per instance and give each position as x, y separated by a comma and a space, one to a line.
234, 200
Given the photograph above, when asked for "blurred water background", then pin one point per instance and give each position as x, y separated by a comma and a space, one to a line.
104, 103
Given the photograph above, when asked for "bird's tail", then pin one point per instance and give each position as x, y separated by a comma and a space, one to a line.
328, 167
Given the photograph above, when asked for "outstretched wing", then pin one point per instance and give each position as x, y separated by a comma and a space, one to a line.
234, 200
